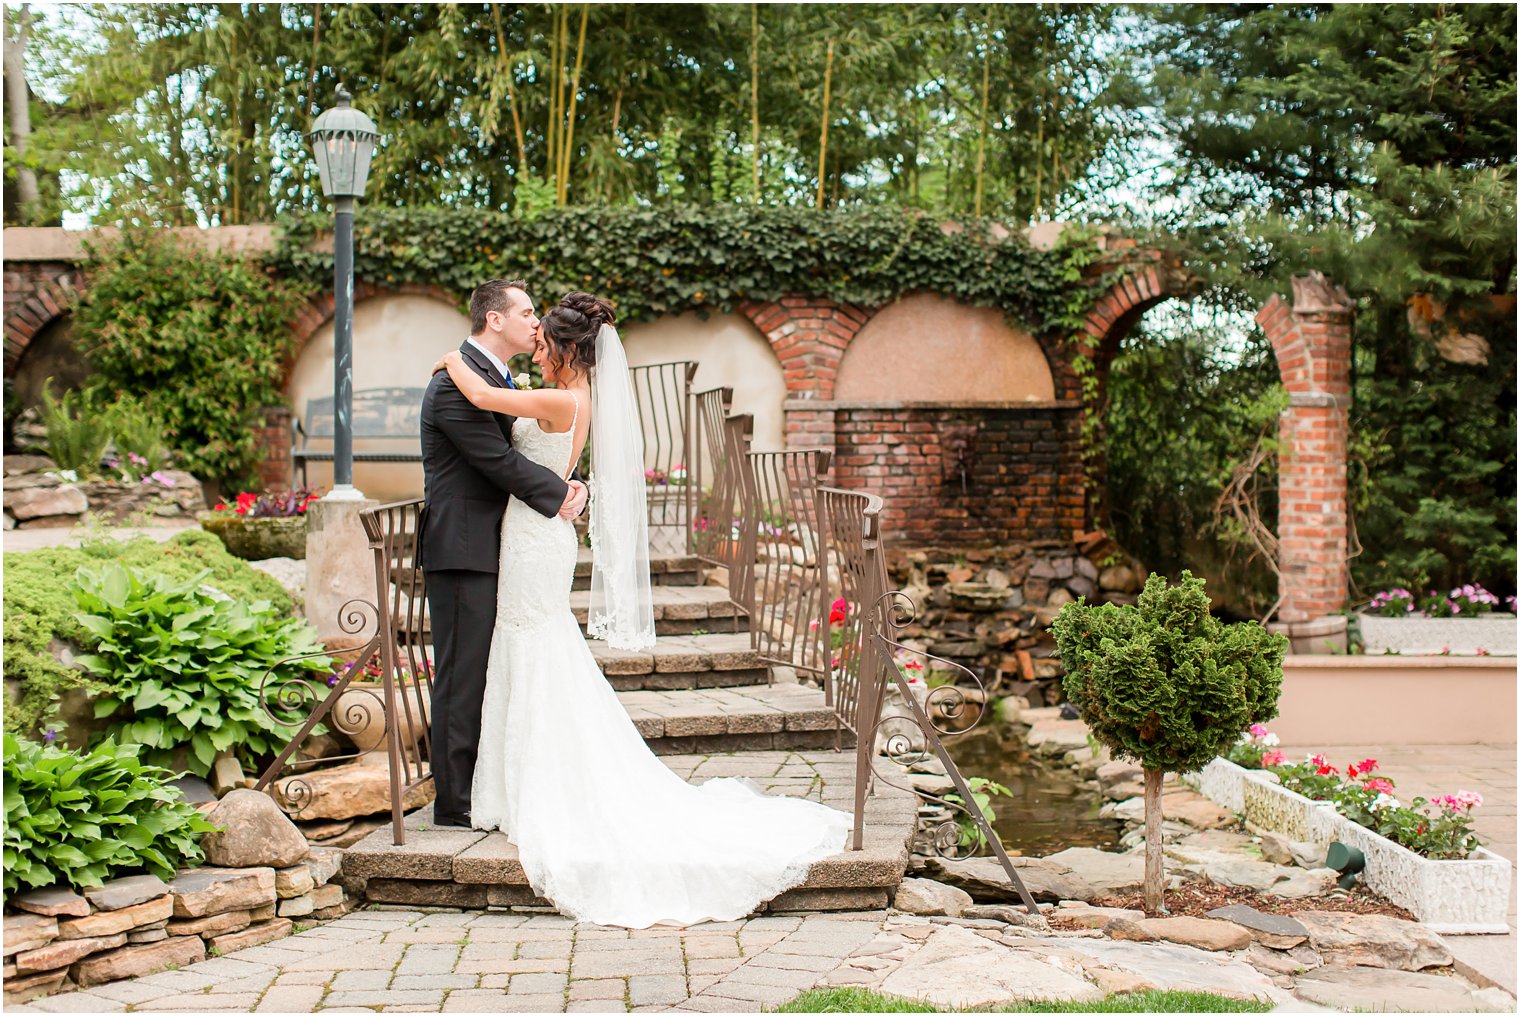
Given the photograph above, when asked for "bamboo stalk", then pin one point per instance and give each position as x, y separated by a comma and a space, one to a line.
575, 85
506, 72
981, 137
316, 43
823, 138
754, 94
551, 135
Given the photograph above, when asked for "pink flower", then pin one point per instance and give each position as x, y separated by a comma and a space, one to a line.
1469, 799
1317, 760
840, 605
1258, 730
1379, 785
1273, 758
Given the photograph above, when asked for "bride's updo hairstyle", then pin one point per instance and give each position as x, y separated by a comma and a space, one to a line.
570, 331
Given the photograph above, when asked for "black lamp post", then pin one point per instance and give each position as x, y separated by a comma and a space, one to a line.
343, 139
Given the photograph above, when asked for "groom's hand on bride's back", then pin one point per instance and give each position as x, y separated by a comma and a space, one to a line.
575, 500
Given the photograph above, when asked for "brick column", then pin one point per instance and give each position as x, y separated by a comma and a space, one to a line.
274, 442
1312, 340
809, 335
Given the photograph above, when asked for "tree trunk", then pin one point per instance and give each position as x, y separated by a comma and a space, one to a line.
18, 98
823, 135
1155, 871
754, 98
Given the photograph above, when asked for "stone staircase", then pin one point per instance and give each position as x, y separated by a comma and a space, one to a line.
708, 705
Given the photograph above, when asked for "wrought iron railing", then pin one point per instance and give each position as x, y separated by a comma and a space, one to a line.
666, 410
779, 521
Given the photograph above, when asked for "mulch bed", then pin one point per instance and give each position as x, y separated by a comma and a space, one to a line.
1197, 900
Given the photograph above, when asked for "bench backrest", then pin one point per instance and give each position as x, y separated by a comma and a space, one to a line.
378, 412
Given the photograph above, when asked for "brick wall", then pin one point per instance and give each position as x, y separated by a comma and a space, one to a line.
36, 292
1023, 479
274, 439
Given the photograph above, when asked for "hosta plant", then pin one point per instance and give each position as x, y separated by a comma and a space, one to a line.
184, 664
78, 818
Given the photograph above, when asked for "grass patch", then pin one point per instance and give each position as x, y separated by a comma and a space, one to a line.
861, 1000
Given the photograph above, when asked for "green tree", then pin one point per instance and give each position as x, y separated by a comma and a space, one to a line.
1164, 683
1375, 143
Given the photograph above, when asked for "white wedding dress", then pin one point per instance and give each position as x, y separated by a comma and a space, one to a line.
602, 827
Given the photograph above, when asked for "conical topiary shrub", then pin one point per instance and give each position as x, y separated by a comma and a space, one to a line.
1168, 685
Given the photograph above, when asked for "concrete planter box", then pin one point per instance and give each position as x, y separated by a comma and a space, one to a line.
1418, 635
1466, 897
258, 539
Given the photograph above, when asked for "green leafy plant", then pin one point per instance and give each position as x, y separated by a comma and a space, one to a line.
184, 664
78, 818
983, 791
200, 338
138, 435
78, 431
39, 610
1166, 684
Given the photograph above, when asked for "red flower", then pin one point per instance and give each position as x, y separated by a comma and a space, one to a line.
840, 605
221, 506
1366, 765
836, 617
1326, 770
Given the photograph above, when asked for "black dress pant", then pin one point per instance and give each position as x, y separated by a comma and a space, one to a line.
462, 606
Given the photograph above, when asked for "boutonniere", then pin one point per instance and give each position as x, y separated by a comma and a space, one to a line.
523, 381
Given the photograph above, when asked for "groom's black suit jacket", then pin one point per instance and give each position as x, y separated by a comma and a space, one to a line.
469, 470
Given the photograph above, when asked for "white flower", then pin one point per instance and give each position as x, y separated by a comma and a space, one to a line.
1384, 801
1271, 740
523, 380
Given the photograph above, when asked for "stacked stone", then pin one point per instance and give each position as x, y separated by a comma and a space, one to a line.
262, 875
36, 497
988, 608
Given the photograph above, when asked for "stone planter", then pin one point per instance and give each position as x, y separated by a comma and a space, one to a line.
1416, 635
359, 715
1468, 897
258, 539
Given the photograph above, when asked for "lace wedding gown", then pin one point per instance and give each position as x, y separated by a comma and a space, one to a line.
602, 827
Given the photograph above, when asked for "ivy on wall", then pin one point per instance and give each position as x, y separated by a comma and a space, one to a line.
652, 262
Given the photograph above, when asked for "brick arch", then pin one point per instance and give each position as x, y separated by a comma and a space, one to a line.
318, 310
50, 297
809, 335
1118, 310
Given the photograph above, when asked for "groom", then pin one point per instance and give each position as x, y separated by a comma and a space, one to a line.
469, 470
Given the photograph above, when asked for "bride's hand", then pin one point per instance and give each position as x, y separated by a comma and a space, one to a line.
451, 357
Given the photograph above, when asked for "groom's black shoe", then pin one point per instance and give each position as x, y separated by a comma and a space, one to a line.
452, 822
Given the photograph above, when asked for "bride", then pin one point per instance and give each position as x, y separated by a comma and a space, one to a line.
602, 827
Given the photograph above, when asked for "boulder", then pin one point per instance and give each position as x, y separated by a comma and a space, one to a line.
1303, 885
109, 922
1052, 737
925, 896
40, 502
204, 891
137, 960
1194, 810
958, 969
15, 465
985, 880
1118, 579
120, 893
55, 901
1124, 791
1273, 930
296, 881
254, 833
349, 791
325, 896
227, 775
1257, 875
1198, 932
324, 863
1373, 940
1107, 874
1282, 962
1359, 989
296, 906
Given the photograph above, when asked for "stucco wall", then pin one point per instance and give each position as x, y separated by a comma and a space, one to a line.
730, 351
926, 348
396, 340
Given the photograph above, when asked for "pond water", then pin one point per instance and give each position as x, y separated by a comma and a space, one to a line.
1050, 810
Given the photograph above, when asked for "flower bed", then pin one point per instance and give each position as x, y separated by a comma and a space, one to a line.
1462, 621
1463, 889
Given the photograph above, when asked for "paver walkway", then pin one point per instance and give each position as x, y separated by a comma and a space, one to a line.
402, 960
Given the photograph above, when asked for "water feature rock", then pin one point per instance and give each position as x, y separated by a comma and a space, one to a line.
1106, 873
958, 969
1124, 791
255, 833
1198, 932
1373, 940
925, 896
1053, 737
1274, 930
1365, 990
1119, 771
985, 880
1282, 962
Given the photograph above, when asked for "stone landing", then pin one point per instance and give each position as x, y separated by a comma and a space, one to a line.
474, 870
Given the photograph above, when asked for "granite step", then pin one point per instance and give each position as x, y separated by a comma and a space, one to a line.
665, 569
683, 662
760, 718
681, 610
466, 868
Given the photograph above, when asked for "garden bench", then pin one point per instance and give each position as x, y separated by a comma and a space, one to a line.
388, 413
